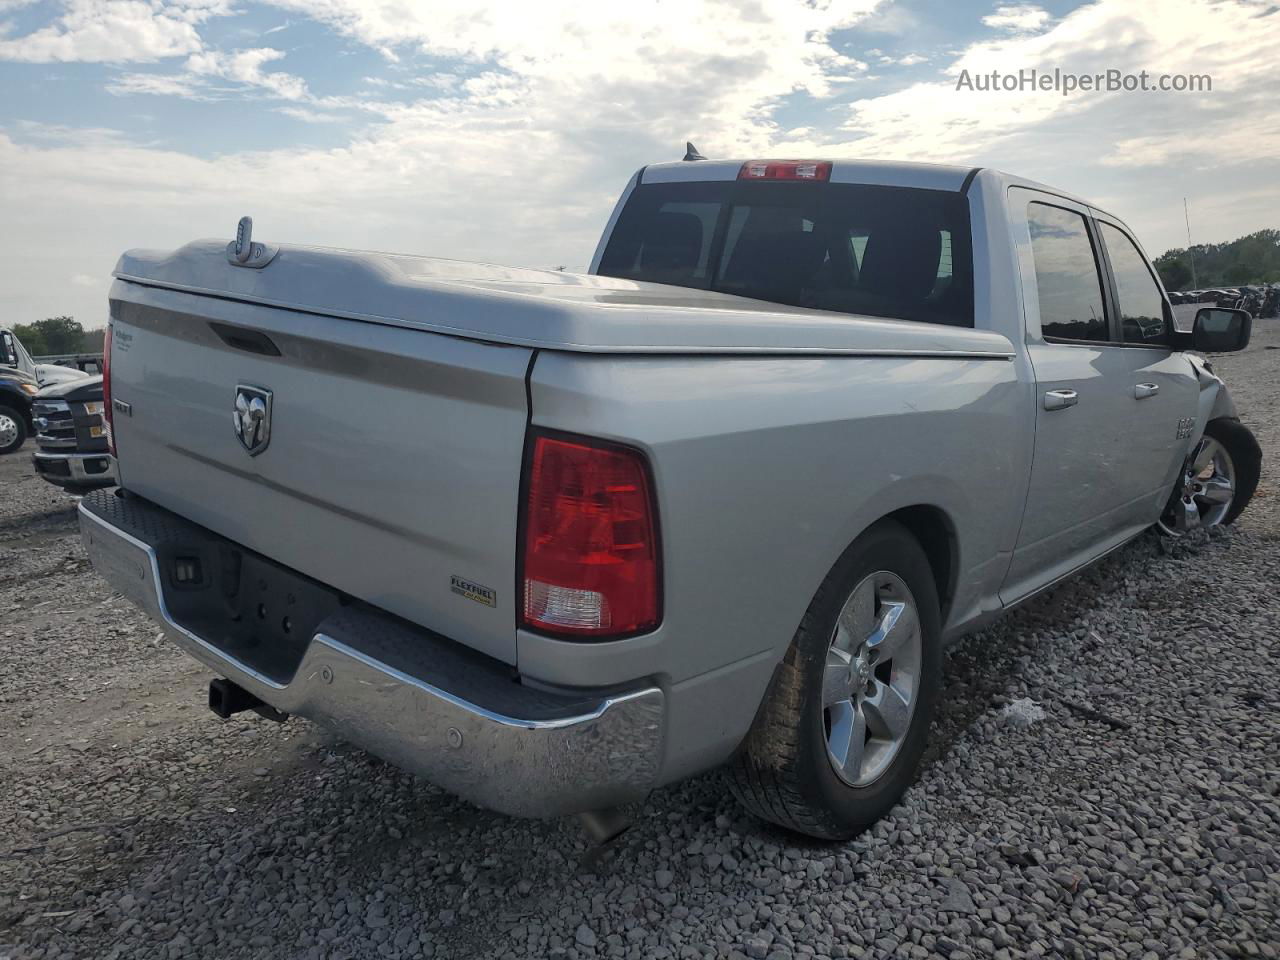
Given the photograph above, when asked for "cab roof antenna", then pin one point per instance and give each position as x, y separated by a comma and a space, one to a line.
691, 152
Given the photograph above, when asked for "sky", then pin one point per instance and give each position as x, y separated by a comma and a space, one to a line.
504, 131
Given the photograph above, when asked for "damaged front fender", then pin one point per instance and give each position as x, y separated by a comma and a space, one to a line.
1215, 398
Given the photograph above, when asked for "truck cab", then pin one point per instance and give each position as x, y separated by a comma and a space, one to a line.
13, 354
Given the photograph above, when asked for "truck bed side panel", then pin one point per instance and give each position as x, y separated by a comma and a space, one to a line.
766, 469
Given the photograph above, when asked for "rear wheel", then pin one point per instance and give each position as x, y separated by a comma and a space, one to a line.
1217, 480
846, 719
13, 430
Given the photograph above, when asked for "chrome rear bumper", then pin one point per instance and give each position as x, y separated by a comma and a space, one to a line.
408, 695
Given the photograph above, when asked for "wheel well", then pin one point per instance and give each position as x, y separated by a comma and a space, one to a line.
17, 409
933, 530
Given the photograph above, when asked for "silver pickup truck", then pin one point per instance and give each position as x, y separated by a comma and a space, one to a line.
552, 540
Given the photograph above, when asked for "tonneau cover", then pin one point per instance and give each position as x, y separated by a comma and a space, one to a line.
536, 308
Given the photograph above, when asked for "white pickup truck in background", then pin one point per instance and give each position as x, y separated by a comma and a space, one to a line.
554, 540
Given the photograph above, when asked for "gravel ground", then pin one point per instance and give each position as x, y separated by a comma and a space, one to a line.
134, 824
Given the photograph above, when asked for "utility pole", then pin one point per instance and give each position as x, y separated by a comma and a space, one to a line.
1190, 256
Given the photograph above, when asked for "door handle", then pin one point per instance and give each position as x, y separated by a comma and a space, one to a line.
1143, 390
1060, 399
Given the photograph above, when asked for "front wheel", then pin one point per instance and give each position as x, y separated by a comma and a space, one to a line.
1217, 481
845, 722
13, 430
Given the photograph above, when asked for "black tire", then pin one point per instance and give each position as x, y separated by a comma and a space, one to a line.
21, 424
1245, 454
782, 773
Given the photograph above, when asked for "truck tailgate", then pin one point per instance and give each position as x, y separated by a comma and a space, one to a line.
392, 467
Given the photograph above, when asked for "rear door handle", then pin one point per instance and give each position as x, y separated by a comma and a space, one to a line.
1060, 399
1144, 390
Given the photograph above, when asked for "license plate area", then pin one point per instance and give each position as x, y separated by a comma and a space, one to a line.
256, 611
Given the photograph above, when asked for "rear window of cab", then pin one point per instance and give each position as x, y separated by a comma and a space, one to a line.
895, 252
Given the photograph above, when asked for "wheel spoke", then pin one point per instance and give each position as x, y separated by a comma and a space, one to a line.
844, 640
898, 624
1203, 454
858, 618
847, 739
1216, 491
888, 713
835, 678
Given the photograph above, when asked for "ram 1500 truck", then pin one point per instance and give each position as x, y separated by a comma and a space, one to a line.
554, 540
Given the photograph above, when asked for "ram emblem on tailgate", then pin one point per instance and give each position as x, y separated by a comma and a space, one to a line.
252, 417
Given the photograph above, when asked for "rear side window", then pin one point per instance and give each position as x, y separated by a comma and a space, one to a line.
1068, 283
1141, 303
884, 251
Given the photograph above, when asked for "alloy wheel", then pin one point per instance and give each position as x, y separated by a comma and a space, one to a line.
1207, 489
871, 678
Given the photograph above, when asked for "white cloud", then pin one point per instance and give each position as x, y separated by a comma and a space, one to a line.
311, 116
935, 121
891, 19
203, 71
245, 67
170, 85
1018, 18
568, 42
116, 31
910, 60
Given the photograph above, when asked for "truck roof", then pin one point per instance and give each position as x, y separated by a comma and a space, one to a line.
933, 176
888, 173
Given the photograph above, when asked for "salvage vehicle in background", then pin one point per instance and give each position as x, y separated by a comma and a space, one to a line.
16, 392
719, 502
72, 436
14, 354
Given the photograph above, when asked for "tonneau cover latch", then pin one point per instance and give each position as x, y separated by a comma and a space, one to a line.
243, 252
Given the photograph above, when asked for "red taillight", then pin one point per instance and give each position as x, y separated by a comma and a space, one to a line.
106, 391
590, 553
785, 170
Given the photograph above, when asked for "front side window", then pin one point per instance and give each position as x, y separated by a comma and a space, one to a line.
852, 248
1068, 283
1141, 303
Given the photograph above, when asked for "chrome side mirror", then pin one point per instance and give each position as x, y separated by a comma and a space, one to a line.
1221, 330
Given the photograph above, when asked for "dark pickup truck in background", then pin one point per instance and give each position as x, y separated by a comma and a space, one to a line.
17, 390
71, 435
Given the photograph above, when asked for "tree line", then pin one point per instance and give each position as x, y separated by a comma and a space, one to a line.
1245, 261
58, 335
